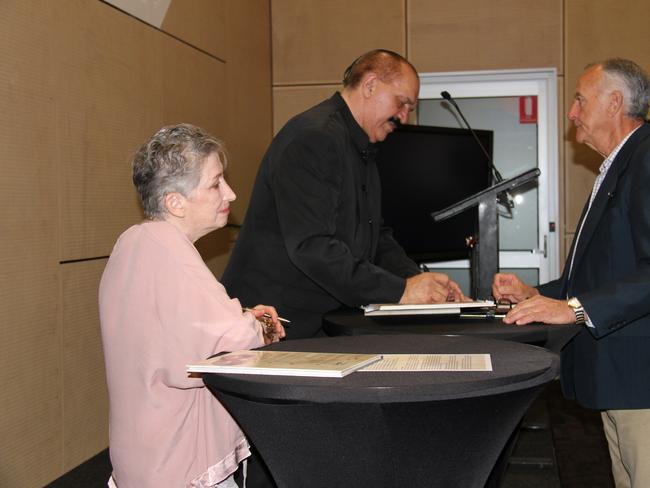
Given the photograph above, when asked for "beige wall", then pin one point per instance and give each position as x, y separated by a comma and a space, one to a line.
475, 35
82, 84
79, 93
596, 30
314, 41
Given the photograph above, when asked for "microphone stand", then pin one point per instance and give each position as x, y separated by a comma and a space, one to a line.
503, 198
485, 252
485, 249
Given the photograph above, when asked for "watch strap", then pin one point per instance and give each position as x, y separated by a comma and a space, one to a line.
578, 309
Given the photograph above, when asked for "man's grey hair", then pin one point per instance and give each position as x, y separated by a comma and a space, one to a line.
172, 161
633, 81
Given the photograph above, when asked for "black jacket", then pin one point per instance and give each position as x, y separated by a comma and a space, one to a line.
313, 239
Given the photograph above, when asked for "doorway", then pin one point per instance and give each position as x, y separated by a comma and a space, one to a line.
520, 107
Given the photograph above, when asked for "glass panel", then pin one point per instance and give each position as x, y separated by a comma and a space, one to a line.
515, 151
530, 276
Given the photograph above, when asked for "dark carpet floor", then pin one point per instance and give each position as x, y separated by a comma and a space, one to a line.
560, 445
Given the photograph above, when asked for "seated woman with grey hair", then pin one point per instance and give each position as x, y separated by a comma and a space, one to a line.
161, 308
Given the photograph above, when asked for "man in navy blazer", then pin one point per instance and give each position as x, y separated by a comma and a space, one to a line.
605, 285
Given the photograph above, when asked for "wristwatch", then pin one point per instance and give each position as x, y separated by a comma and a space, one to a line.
578, 309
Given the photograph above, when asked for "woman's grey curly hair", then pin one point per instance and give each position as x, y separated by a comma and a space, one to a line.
171, 161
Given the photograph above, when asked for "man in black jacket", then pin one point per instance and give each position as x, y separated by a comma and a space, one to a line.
605, 285
313, 238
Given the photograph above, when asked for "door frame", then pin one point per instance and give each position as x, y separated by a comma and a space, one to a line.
541, 82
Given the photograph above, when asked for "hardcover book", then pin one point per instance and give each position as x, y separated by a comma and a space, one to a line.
284, 363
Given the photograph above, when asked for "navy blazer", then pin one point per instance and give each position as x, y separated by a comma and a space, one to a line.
608, 366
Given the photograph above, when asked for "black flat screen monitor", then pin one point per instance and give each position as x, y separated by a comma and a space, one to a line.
424, 169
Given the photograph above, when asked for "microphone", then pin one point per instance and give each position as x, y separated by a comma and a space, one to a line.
497, 176
495, 172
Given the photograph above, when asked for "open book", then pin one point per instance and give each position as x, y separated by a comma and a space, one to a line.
432, 362
284, 363
449, 308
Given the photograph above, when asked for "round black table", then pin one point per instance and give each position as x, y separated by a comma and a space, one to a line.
385, 429
353, 322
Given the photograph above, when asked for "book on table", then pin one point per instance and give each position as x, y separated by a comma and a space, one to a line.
449, 308
431, 363
284, 363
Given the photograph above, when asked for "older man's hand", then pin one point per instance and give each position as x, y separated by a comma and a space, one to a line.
431, 288
509, 287
541, 309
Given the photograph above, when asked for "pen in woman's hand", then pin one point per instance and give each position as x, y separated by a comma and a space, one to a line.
267, 315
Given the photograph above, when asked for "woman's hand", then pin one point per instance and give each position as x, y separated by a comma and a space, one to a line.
272, 328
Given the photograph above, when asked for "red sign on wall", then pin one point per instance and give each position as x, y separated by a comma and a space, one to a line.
528, 109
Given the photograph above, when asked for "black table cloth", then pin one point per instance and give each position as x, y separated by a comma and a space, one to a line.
354, 322
384, 429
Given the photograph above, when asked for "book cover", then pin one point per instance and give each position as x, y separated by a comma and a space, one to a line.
284, 363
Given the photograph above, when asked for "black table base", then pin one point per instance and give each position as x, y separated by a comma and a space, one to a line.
388, 445
388, 429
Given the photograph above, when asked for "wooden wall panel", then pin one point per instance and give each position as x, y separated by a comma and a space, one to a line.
193, 87
201, 23
314, 41
247, 114
153, 13
604, 29
249, 99
108, 85
475, 35
290, 101
78, 95
197, 99
589, 26
85, 397
30, 369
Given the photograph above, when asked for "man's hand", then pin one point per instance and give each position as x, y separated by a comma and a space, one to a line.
541, 309
431, 288
509, 287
